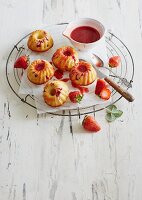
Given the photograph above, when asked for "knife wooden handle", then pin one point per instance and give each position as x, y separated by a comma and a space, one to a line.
119, 89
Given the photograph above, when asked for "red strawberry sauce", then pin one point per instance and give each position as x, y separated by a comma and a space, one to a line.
67, 53
85, 34
56, 92
40, 66
82, 89
82, 68
58, 74
65, 79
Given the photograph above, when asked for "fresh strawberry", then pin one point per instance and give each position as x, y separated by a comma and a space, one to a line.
90, 124
101, 84
114, 61
58, 74
22, 62
75, 96
105, 94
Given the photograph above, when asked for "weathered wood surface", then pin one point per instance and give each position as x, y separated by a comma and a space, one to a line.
40, 156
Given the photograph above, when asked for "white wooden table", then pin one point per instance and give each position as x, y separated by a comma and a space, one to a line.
39, 158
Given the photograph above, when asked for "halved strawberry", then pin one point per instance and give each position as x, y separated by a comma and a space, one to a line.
90, 124
105, 94
101, 84
75, 96
22, 62
114, 61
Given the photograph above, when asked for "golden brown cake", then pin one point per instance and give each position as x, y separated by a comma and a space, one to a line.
83, 74
40, 41
40, 71
65, 58
55, 93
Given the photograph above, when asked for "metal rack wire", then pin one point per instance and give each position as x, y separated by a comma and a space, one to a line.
125, 73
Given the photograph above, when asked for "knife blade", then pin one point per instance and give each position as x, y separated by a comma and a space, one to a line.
99, 73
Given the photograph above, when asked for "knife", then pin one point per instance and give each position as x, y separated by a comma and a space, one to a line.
129, 97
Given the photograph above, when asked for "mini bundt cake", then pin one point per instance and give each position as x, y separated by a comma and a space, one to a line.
55, 93
83, 74
40, 71
65, 58
40, 41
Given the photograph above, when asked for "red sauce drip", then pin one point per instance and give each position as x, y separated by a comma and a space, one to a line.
40, 66
67, 53
82, 68
82, 89
56, 92
58, 74
74, 58
53, 92
65, 79
85, 34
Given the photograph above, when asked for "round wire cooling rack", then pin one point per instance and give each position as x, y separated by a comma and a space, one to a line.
122, 75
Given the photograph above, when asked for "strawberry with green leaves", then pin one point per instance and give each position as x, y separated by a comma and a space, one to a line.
90, 124
22, 62
75, 96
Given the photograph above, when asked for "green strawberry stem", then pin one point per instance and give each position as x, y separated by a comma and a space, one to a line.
79, 98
